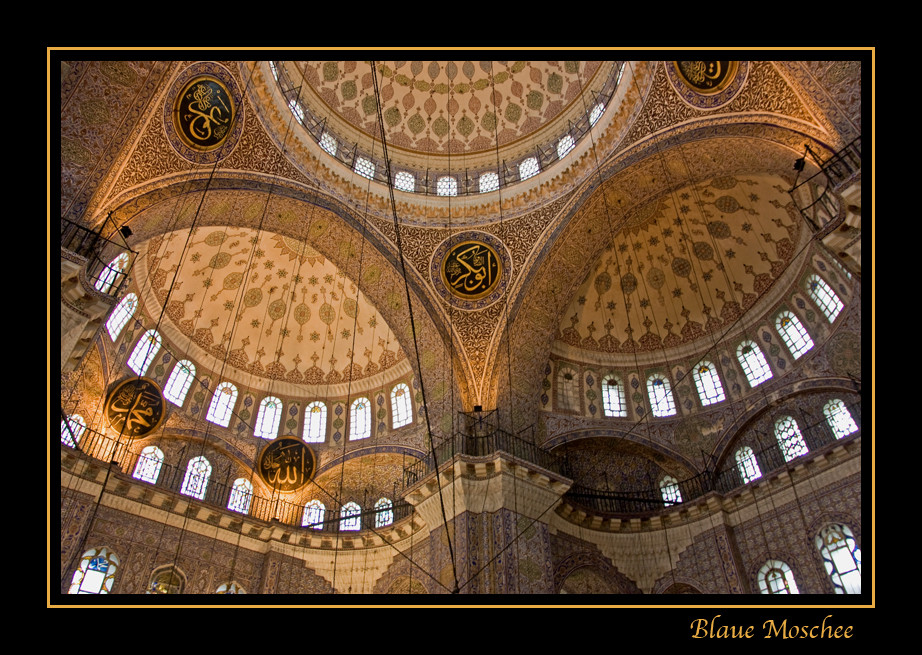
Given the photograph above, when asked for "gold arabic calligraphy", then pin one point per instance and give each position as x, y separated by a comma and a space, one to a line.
204, 114
135, 408
287, 464
471, 269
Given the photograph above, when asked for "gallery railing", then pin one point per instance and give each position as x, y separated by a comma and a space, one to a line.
815, 196
100, 253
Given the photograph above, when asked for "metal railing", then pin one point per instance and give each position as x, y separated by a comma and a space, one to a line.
99, 253
822, 206
770, 459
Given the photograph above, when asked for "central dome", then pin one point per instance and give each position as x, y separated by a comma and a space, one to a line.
447, 107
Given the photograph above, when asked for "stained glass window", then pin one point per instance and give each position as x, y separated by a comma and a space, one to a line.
222, 404
196, 481
661, 400
405, 181
349, 518
121, 314
268, 418
776, 577
568, 389
149, 463
528, 168
613, 397
230, 588
96, 572
360, 419
296, 109
144, 352
794, 334
789, 438
753, 363
709, 388
747, 464
447, 185
669, 488
824, 297
315, 422
565, 145
841, 557
488, 182
400, 406
328, 143
111, 276
365, 167
177, 386
241, 496
72, 430
840, 420
384, 513
314, 512
596, 113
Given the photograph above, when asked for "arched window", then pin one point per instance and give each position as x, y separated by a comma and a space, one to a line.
72, 429
177, 386
793, 334
360, 419
528, 168
96, 572
111, 276
328, 143
776, 577
842, 558
144, 352
405, 181
447, 185
753, 362
613, 402
568, 389
314, 512
709, 388
488, 182
840, 420
149, 463
315, 422
222, 404
364, 167
661, 400
230, 588
269, 417
596, 113
167, 580
123, 311
401, 409
789, 438
747, 464
349, 518
824, 297
196, 481
564, 146
241, 496
384, 512
669, 488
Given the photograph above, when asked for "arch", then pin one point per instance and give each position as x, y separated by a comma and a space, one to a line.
824, 297
268, 418
230, 588
222, 404
841, 557
179, 382
144, 352
793, 333
776, 577
662, 403
753, 363
315, 422
360, 419
96, 572
401, 407
710, 390
120, 316
195, 482
149, 463
567, 396
167, 579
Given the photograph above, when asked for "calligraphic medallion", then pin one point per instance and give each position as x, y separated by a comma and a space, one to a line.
706, 76
471, 270
135, 407
707, 84
286, 464
203, 113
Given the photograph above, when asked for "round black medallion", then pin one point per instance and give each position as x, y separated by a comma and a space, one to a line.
706, 76
135, 407
471, 270
204, 113
286, 464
